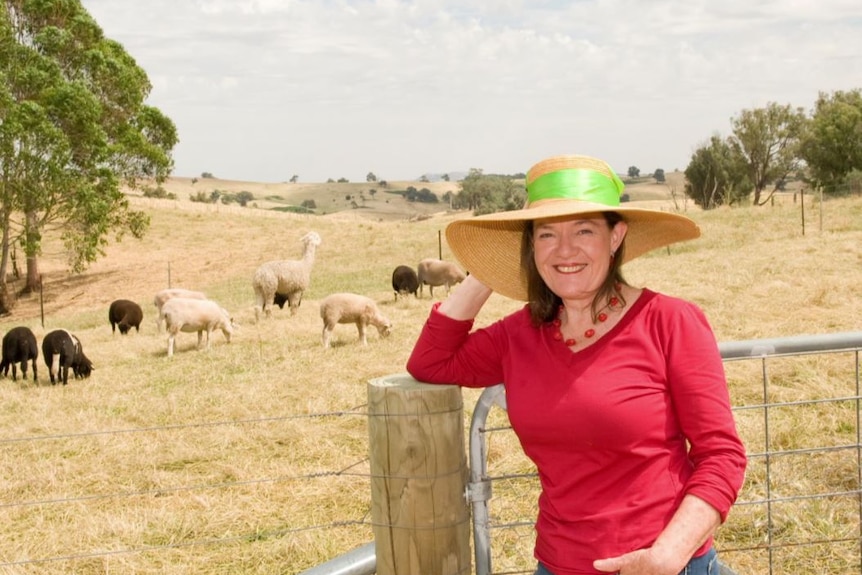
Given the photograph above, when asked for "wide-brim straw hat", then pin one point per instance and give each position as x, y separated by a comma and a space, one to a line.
489, 246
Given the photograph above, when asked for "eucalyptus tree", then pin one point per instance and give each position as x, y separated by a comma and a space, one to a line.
832, 148
486, 194
768, 140
716, 175
74, 128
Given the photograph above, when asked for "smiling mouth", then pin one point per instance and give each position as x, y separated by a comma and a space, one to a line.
570, 269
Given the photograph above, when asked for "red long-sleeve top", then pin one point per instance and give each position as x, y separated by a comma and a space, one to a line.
619, 431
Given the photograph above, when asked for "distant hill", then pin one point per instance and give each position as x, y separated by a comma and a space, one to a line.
453, 176
368, 200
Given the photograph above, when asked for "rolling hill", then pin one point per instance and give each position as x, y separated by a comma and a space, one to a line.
367, 200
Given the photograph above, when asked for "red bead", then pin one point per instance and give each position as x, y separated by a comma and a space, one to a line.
602, 316
558, 333
590, 332
614, 301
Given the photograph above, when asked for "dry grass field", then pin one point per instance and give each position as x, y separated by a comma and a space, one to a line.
135, 469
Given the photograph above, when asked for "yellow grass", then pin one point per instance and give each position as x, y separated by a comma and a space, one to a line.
230, 445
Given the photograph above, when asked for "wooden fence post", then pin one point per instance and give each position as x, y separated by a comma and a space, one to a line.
421, 519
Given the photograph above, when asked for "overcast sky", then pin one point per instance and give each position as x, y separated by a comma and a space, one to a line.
262, 90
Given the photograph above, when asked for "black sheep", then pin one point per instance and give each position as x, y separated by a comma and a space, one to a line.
279, 300
69, 353
126, 315
19, 345
405, 281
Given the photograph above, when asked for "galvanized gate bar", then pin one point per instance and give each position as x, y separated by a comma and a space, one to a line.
792, 345
360, 561
480, 488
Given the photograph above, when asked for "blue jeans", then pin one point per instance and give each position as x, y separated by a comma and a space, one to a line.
706, 564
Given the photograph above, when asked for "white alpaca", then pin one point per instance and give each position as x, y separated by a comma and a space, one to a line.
288, 278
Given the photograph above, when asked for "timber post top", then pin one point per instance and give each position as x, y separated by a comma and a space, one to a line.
404, 381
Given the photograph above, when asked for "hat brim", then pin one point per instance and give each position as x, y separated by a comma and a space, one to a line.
489, 246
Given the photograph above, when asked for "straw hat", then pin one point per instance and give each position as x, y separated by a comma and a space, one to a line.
489, 246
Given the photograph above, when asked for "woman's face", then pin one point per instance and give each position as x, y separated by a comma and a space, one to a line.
573, 255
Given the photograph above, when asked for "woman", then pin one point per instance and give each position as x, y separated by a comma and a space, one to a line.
616, 393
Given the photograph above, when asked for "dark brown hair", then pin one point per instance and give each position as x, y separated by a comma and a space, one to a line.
544, 304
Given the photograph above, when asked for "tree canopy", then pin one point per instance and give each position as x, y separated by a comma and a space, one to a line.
716, 175
485, 194
778, 143
768, 141
74, 128
832, 145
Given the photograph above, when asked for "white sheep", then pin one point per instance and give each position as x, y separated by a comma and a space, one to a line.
434, 272
195, 315
290, 278
351, 308
164, 295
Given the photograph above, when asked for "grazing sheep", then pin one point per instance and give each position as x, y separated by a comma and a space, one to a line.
279, 300
405, 281
433, 272
351, 308
19, 345
166, 294
285, 278
61, 351
126, 315
195, 315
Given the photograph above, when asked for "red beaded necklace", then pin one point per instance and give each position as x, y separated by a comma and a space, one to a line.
602, 317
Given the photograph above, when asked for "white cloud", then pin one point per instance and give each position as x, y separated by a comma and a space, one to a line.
263, 89
244, 7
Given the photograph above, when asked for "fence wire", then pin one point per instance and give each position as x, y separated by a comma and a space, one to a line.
797, 405
323, 483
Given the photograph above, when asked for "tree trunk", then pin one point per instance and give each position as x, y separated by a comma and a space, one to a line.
31, 232
7, 296
34, 279
4, 249
7, 299
758, 191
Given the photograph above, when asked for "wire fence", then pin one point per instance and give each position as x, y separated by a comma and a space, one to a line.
323, 484
797, 405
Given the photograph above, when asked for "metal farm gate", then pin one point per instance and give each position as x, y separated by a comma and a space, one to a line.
797, 405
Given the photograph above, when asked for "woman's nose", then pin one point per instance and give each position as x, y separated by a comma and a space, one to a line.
568, 243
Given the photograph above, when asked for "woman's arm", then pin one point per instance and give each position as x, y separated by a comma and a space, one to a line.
467, 299
693, 523
446, 351
698, 390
